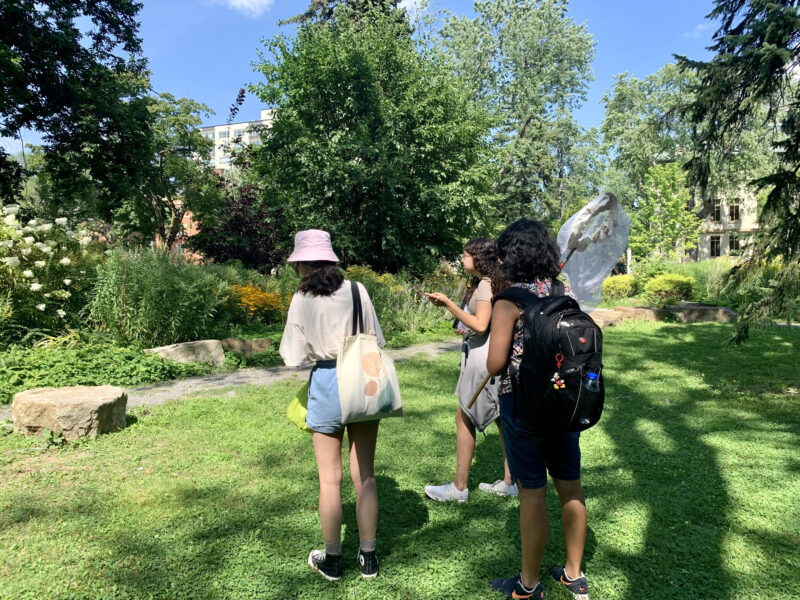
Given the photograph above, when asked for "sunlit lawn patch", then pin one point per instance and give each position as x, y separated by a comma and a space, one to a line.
691, 478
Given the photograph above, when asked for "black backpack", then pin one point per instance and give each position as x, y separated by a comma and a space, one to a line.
560, 385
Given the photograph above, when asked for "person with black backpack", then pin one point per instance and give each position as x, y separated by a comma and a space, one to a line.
533, 318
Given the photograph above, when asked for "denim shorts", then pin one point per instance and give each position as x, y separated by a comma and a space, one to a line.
531, 456
324, 410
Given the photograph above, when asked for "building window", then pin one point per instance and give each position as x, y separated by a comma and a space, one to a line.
734, 244
715, 246
733, 210
210, 135
716, 214
238, 133
223, 135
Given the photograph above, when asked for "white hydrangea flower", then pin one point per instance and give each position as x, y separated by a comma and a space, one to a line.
65, 261
67, 281
26, 251
11, 209
46, 227
39, 263
51, 243
10, 220
7, 243
61, 221
11, 261
70, 233
65, 294
47, 295
28, 240
27, 274
46, 250
61, 313
84, 241
35, 287
41, 307
33, 223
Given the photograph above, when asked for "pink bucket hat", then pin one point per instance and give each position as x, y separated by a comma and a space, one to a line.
311, 245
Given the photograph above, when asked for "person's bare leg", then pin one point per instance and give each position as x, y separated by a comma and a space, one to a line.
506, 472
362, 440
533, 528
328, 451
573, 519
465, 449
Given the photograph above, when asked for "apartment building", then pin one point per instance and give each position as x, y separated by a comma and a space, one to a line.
730, 224
226, 137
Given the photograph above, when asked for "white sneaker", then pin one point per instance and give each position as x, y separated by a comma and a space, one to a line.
446, 492
500, 488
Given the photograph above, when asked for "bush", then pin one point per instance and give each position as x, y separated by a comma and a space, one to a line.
668, 288
152, 298
46, 273
709, 278
646, 269
619, 286
89, 364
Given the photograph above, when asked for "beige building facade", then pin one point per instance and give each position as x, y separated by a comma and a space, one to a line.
228, 136
726, 231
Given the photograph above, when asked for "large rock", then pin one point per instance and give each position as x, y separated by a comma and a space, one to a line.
696, 312
606, 318
208, 351
246, 347
75, 412
643, 313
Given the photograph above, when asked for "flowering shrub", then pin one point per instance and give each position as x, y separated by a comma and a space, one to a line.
259, 302
46, 273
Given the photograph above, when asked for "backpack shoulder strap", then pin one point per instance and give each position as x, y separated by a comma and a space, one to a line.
518, 296
358, 316
557, 288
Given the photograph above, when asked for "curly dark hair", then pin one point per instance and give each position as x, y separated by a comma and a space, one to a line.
484, 256
323, 279
528, 252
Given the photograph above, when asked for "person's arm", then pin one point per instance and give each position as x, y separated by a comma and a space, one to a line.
479, 322
505, 315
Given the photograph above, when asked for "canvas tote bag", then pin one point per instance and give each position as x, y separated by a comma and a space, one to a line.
367, 379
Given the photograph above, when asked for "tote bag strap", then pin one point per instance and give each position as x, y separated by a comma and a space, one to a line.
358, 316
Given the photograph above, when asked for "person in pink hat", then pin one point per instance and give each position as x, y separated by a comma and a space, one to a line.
320, 315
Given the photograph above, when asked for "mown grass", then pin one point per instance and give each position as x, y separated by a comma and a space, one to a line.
691, 478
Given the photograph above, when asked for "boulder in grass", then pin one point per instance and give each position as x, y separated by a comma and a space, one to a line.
246, 347
75, 412
207, 351
697, 312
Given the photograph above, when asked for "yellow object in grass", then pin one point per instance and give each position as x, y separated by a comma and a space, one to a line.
298, 407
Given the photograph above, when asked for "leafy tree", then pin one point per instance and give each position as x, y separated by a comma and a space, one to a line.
243, 228
660, 221
324, 11
82, 91
531, 65
755, 68
178, 178
375, 140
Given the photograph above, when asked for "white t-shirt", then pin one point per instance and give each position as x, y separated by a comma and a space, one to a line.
316, 324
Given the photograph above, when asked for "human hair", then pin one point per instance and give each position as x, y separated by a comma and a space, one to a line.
527, 252
484, 257
322, 279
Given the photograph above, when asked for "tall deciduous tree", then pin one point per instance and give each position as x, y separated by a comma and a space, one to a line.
660, 223
531, 64
375, 140
756, 67
82, 90
323, 11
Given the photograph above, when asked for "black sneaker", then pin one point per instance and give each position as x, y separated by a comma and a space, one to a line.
368, 563
327, 565
579, 587
513, 588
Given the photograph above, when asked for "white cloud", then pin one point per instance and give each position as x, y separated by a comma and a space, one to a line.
698, 30
250, 8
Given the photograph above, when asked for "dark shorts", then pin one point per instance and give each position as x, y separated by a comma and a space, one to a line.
531, 456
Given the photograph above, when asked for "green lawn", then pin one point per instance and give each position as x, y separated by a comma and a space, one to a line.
692, 478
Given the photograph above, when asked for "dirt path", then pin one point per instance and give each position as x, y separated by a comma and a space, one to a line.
158, 393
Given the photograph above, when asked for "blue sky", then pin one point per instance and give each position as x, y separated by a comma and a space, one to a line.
203, 49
